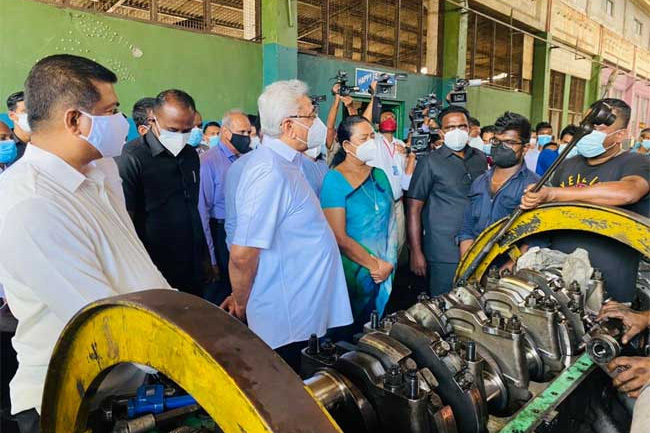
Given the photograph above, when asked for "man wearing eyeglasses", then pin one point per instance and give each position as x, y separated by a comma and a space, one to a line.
436, 201
497, 192
285, 267
602, 174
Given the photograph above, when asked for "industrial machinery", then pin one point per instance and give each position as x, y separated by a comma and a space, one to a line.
508, 354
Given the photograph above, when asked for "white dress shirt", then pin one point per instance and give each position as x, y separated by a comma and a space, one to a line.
393, 163
300, 287
67, 240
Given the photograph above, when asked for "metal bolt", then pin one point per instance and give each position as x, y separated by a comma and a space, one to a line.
470, 351
442, 305
441, 348
313, 346
327, 348
412, 384
424, 296
515, 324
493, 272
497, 320
374, 320
393, 377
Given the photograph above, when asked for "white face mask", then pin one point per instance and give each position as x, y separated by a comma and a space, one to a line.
255, 142
456, 139
107, 133
366, 151
23, 123
476, 143
313, 152
316, 135
173, 141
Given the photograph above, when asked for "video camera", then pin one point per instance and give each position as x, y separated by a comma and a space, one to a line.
342, 80
421, 139
459, 95
385, 84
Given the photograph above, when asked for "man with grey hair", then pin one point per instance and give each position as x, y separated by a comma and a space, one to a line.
285, 266
233, 142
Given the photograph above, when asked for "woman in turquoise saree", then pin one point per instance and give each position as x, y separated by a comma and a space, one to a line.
358, 204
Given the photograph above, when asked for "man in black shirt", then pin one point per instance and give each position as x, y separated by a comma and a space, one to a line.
160, 178
18, 114
437, 198
602, 174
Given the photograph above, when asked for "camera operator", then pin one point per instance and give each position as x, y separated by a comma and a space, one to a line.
392, 157
331, 119
633, 377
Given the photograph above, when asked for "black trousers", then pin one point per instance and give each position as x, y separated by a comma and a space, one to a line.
291, 353
28, 421
218, 231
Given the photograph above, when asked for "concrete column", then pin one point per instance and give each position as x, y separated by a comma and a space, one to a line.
250, 27
431, 61
592, 88
565, 104
454, 42
280, 40
541, 79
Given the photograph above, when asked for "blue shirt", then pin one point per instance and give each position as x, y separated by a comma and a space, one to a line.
212, 200
314, 172
546, 158
485, 209
299, 287
232, 181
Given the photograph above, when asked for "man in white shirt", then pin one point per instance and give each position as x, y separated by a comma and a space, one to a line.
67, 239
285, 267
397, 163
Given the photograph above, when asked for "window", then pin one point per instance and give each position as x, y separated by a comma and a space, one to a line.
495, 53
234, 18
609, 7
365, 31
556, 99
576, 100
638, 27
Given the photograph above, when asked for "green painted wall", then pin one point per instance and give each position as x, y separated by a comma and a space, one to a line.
486, 104
280, 39
318, 71
219, 72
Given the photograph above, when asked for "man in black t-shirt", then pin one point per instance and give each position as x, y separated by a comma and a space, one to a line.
602, 174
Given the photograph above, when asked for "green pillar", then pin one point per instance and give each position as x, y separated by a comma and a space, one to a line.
592, 90
565, 102
280, 40
541, 79
455, 42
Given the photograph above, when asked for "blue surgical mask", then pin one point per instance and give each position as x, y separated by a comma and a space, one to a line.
646, 144
8, 151
487, 149
196, 135
573, 152
561, 148
543, 140
213, 141
591, 145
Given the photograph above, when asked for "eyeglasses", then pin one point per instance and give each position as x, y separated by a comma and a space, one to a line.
506, 143
313, 115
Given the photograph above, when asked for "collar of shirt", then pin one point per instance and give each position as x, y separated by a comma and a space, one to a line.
59, 170
155, 146
281, 148
226, 151
469, 151
518, 173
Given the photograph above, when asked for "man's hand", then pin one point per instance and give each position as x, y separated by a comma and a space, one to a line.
373, 88
231, 306
210, 272
530, 200
335, 90
633, 376
634, 321
418, 263
507, 266
347, 100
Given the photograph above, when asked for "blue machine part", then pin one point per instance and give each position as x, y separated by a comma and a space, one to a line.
151, 399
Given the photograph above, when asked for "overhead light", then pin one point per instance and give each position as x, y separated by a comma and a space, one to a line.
423, 70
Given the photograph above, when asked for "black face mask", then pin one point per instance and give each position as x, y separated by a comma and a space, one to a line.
504, 157
241, 142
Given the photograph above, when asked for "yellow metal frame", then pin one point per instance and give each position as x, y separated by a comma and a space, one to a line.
239, 381
615, 223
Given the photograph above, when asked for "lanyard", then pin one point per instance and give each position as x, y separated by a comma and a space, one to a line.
391, 153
